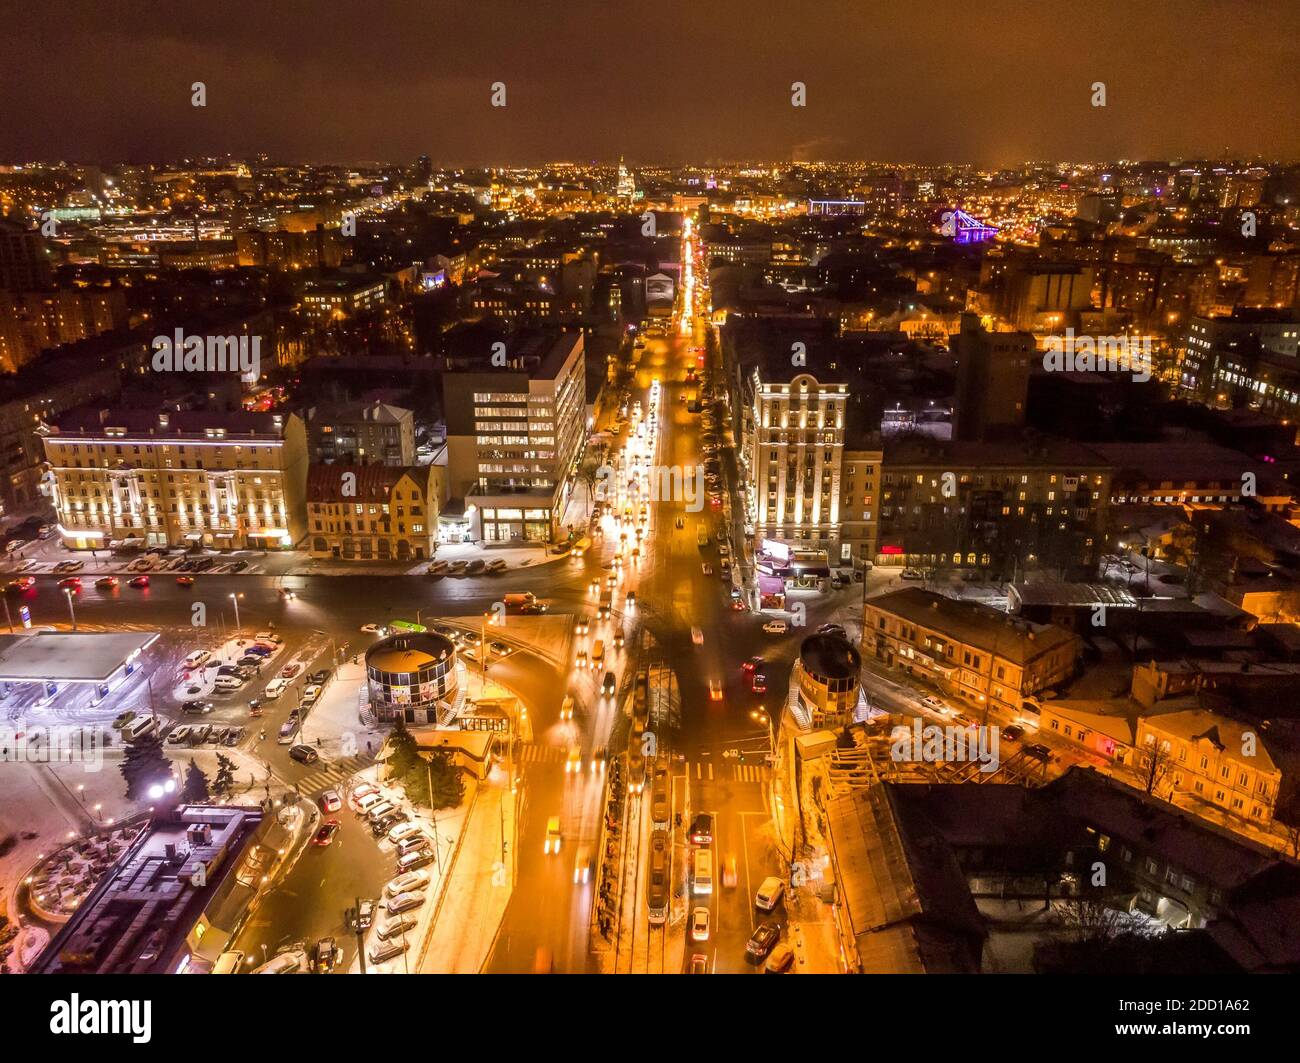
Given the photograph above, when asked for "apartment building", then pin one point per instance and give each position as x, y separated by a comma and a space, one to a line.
380, 512
339, 298
969, 651
515, 432
177, 478
361, 433
861, 472
1000, 506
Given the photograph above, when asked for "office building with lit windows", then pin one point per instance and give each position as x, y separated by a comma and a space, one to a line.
515, 433
177, 478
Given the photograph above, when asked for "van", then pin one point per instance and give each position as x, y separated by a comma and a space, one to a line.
228, 963
769, 894
598, 655
140, 727
228, 682
702, 879
275, 688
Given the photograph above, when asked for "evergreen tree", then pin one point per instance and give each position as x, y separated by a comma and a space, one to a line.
144, 764
195, 790
224, 783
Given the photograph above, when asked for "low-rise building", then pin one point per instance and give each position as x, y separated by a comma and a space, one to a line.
971, 651
373, 512
361, 433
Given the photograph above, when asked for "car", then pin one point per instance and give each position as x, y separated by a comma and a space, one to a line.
404, 902
385, 823
416, 858
780, 961
365, 915
697, 636
833, 629
255, 707
407, 882
139, 582
584, 868
249, 660
330, 801
1039, 752
573, 763
326, 956
776, 627
69, 566
26, 564
610, 685
595, 585
964, 720
699, 964
631, 599
70, 583
320, 677
374, 629
582, 626
325, 833
501, 649
107, 583
287, 962
179, 735
761, 942
729, 876
196, 708
700, 923
769, 893
715, 690
472, 639
911, 574
310, 695
232, 736
123, 718
619, 640
598, 759
1012, 732
387, 950
701, 832
754, 664
553, 837
395, 927
228, 682
303, 754
239, 566
290, 670
259, 649
566, 708
269, 637
706, 568
935, 705
22, 583
185, 581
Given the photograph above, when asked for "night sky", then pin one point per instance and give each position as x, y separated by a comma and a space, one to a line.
664, 82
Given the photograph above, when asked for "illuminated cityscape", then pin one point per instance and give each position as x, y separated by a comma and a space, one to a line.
776, 544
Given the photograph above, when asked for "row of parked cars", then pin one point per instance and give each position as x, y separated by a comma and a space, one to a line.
197, 734
475, 567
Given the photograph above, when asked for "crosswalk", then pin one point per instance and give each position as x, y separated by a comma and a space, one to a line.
531, 753
333, 775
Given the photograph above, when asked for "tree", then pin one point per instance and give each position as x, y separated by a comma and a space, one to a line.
1155, 764
448, 790
144, 764
224, 784
403, 751
195, 790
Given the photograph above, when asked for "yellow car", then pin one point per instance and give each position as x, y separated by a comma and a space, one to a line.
552, 835
574, 764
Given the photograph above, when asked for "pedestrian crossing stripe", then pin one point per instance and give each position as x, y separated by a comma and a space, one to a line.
530, 753
705, 771
333, 775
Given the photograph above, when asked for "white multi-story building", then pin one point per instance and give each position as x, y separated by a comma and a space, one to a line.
177, 478
796, 451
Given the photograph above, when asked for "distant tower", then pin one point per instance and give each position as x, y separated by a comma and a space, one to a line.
626, 182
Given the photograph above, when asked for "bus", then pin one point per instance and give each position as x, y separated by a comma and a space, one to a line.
661, 805
407, 627
658, 888
702, 879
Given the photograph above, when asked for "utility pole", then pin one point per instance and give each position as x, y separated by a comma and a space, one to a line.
68, 592
360, 932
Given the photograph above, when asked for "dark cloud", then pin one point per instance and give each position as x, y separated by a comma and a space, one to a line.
666, 81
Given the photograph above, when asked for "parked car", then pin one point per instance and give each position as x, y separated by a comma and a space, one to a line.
330, 801
776, 627
761, 942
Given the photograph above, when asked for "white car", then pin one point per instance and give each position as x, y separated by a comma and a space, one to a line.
407, 883
776, 627
404, 902
700, 924
27, 565
697, 636
374, 629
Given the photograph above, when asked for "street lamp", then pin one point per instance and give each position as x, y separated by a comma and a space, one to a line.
72, 611
235, 598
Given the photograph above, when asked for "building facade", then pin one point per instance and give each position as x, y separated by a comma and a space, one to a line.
373, 512
178, 478
362, 434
